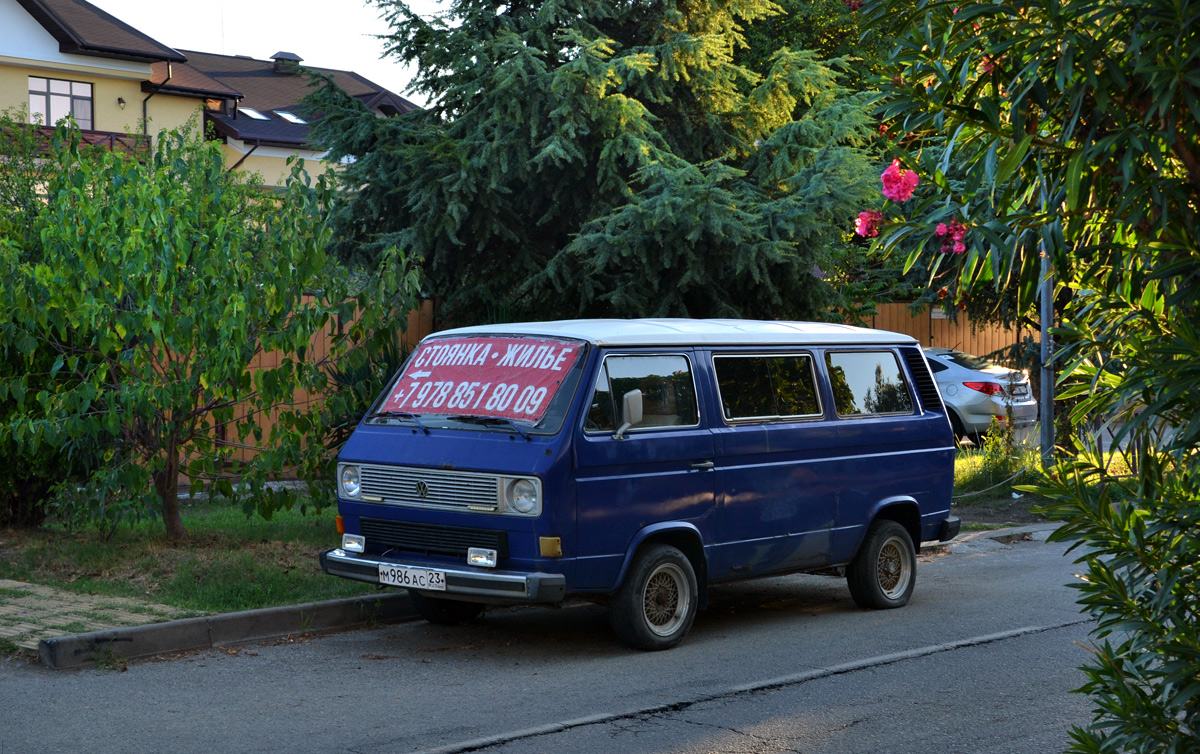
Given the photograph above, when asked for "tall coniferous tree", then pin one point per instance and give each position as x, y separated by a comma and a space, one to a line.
604, 158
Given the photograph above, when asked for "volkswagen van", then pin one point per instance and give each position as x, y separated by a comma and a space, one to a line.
638, 462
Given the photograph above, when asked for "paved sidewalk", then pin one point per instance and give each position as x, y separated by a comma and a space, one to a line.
32, 612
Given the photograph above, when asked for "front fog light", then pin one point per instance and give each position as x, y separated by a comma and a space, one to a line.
523, 496
350, 483
477, 556
354, 543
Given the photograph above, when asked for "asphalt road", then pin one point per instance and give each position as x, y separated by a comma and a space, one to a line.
982, 660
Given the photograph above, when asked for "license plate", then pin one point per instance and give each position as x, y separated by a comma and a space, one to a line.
414, 578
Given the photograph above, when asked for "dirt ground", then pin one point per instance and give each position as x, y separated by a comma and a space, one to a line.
998, 510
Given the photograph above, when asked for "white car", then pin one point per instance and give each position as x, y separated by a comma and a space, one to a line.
975, 390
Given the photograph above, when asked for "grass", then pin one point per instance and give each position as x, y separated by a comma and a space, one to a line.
984, 481
230, 562
983, 484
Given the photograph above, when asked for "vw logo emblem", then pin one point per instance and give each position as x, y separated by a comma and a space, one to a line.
422, 489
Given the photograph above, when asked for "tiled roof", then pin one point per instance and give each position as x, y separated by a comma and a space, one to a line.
187, 80
269, 92
84, 29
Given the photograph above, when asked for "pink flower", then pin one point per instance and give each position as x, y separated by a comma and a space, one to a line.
867, 224
952, 236
854, 5
899, 183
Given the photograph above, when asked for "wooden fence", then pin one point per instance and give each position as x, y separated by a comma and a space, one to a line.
420, 324
926, 327
937, 332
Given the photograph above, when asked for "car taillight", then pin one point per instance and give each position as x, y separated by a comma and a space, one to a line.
989, 388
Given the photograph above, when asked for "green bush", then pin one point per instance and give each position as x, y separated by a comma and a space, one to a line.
1139, 538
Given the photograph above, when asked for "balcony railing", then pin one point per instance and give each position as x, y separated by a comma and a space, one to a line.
136, 145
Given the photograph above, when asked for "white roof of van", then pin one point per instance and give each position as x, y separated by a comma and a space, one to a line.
683, 332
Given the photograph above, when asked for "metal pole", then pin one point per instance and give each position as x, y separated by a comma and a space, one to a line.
1046, 399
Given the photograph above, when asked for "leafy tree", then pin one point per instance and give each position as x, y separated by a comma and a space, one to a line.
1076, 127
28, 474
155, 284
603, 158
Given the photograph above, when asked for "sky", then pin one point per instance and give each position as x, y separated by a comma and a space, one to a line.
325, 33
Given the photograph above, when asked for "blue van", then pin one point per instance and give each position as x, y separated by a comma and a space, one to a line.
636, 462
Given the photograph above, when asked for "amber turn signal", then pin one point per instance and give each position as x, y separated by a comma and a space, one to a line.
551, 547
341, 524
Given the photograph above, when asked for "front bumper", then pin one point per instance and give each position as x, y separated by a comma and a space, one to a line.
475, 584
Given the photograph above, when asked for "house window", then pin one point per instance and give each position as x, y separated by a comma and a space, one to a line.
250, 112
54, 99
291, 117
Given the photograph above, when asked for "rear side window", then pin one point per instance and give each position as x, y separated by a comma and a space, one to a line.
867, 383
668, 392
766, 388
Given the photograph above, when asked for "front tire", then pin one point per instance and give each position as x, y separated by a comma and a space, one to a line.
442, 611
656, 604
883, 574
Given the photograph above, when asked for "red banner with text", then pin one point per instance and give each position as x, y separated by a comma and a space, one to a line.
511, 378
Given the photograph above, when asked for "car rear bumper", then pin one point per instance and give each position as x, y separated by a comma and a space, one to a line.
977, 417
476, 584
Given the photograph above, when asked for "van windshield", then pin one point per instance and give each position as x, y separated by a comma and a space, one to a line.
485, 382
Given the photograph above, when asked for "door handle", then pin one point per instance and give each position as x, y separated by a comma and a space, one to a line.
703, 465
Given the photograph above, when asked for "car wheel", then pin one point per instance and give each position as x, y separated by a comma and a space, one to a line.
884, 572
442, 611
656, 604
956, 426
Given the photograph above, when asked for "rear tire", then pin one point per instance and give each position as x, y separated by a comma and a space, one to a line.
656, 604
884, 572
956, 426
442, 611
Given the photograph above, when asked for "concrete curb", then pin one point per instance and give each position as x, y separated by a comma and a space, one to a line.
210, 631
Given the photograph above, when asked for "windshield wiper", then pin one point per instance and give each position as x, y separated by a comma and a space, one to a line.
489, 420
402, 415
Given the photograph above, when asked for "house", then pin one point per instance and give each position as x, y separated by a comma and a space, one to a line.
68, 57
265, 123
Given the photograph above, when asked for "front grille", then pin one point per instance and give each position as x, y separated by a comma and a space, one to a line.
429, 539
430, 488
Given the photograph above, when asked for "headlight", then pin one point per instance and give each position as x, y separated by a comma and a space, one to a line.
522, 496
350, 484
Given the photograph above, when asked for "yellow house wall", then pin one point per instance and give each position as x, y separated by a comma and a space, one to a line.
273, 169
164, 110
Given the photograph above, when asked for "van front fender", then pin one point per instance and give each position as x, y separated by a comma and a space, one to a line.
679, 534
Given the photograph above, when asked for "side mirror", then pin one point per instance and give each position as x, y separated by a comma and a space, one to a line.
631, 412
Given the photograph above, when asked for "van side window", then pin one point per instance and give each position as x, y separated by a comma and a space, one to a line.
766, 387
668, 392
867, 382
